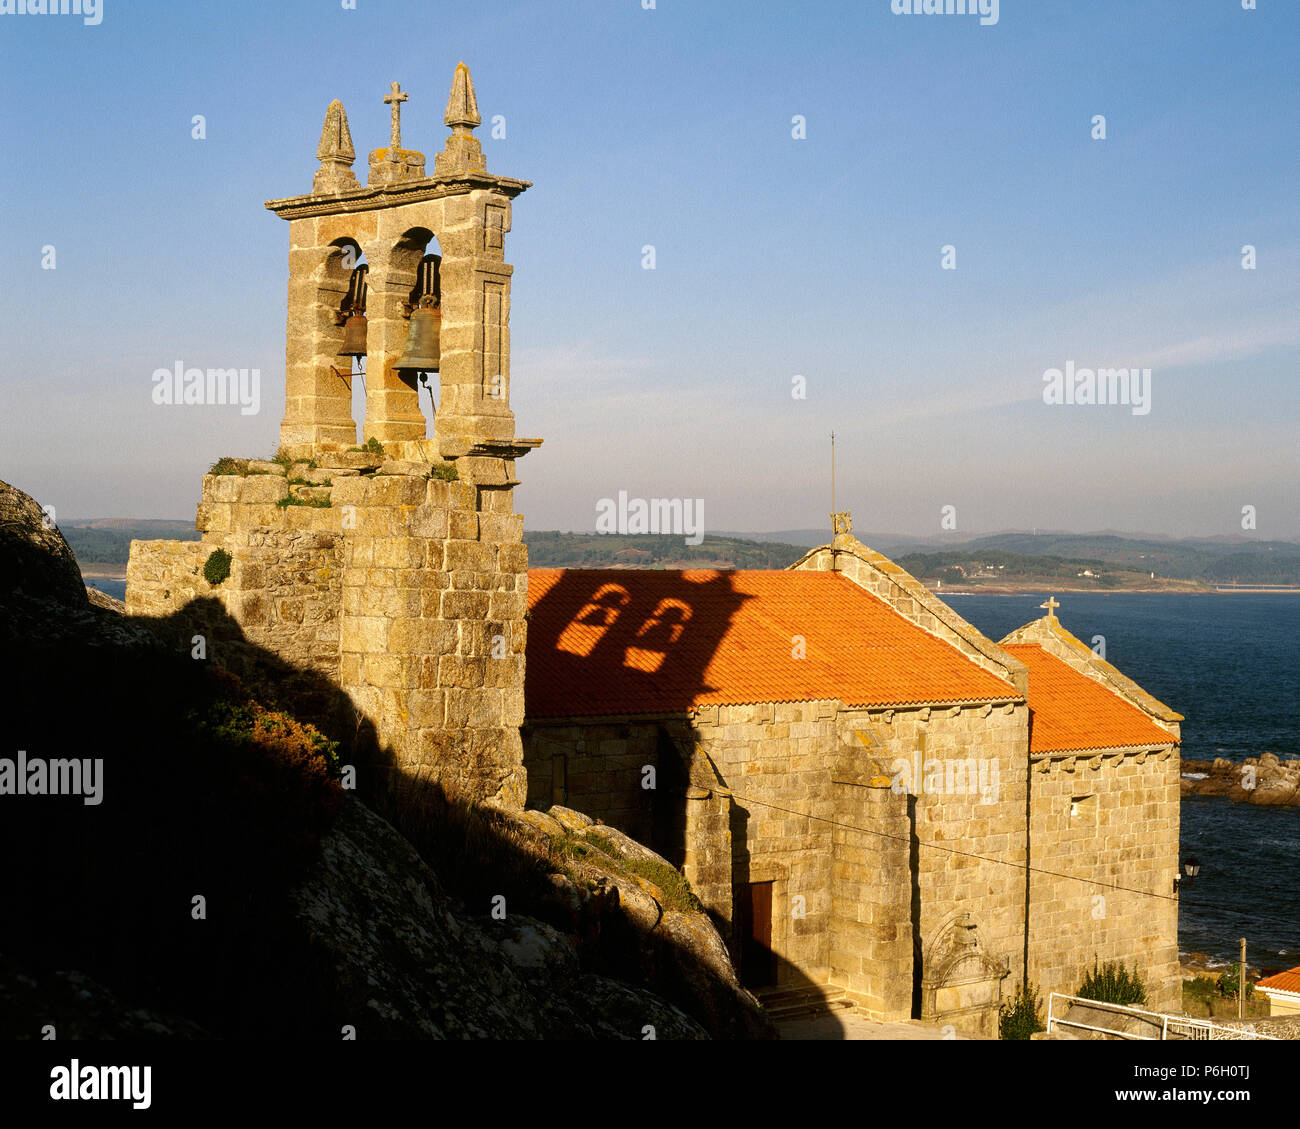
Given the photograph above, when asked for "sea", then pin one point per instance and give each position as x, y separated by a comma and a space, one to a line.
1230, 664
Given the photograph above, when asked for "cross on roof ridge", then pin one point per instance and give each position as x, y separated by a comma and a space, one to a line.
395, 98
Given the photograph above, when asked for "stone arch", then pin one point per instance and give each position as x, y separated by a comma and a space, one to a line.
333, 279
393, 410
318, 393
960, 980
332, 275
406, 253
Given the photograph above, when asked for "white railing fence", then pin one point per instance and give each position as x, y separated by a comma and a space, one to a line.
1170, 1026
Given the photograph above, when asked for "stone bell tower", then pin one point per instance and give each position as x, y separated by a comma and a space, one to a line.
391, 585
394, 220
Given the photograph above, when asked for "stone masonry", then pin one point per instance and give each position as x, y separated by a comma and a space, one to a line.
393, 222
925, 901
381, 593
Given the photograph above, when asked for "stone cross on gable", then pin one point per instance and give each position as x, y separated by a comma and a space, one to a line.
395, 99
1051, 605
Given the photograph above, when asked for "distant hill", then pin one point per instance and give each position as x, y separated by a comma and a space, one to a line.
887, 543
103, 544
551, 549
1115, 560
1214, 561
1208, 560
993, 569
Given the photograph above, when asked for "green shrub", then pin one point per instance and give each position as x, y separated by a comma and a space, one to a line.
1112, 983
318, 503
445, 471
373, 445
1229, 982
217, 567
1020, 1018
227, 465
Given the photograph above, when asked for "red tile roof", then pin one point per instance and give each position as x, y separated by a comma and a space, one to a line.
1069, 710
1288, 981
605, 642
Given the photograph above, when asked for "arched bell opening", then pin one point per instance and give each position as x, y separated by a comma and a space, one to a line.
341, 289
421, 358
399, 403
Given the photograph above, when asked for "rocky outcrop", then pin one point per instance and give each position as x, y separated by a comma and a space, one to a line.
34, 558
1266, 780
77, 1007
403, 963
615, 887
337, 918
1275, 1027
105, 601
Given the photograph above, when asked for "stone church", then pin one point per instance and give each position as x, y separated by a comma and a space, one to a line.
868, 792
864, 791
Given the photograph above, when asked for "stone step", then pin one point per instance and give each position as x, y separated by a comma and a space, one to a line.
784, 993
812, 1008
810, 1000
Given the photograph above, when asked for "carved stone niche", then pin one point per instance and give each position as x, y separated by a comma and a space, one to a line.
961, 982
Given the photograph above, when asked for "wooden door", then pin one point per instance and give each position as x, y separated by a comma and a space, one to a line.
753, 921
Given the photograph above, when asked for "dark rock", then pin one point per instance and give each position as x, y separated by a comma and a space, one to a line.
402, 962
78, 1008
35, 560
105, 601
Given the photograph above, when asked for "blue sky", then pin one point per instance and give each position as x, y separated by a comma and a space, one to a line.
774, 256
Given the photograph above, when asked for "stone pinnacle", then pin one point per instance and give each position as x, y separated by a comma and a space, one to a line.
462, 106
335, 153
335, 137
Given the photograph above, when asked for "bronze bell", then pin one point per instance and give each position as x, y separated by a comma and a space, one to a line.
354, 337
422, 352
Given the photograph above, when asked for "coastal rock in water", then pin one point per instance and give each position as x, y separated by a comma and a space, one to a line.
1276, 781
